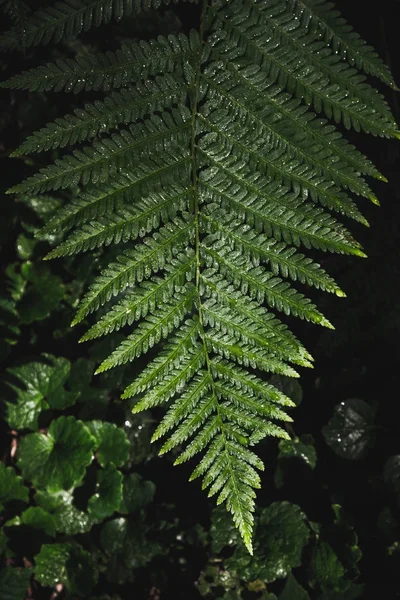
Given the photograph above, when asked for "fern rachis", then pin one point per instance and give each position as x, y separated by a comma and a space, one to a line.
210, 161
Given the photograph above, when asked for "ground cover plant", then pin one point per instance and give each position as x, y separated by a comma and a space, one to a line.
202, 156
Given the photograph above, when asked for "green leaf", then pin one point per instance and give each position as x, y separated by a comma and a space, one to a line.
281, 535
14, 583
9, 329
127, 544
43, 293
213, 578
39, 387
57, 460
345, 533
293, 449
68, 564
297, 449
293, 590
111, 443
223, 533
139, 431
25, 246
66, 20
37, 518
11, 486
349, 433
108, 494
328, 572
136, 493
67, 517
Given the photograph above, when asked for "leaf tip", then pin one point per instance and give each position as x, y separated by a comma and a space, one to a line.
374, 199
340, 293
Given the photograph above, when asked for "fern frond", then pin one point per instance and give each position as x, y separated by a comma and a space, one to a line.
232, 348
193, 394
292, 117
149, 295
226, 229
213, 178
67, 19
107, 156
18, 12
183, 350
249, 384
270, 208
128, 223
324, 60
280, 339
262, 286
110, 70
286, 125
122, 107
150, 331
96, 201
340, 35
137, 264
251, 28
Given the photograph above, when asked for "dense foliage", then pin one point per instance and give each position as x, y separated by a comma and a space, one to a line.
89, 509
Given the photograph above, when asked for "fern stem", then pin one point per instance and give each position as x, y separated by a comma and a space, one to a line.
195, 100
245, 529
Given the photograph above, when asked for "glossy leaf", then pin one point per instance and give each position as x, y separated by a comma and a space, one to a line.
11, 486
107, 496
57, 460
281, 536
38, 386
349, 433
37, 518
111, 443
68, 564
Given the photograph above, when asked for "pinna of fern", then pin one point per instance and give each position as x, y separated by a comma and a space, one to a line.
213, 157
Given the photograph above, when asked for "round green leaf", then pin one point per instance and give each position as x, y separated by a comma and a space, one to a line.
108, 494
127, 544
59, 459
136, 493
43, 293
37, 518
111, 443
68, 564
350, 431
39, 386
11, 486
67, 518
298, 449
327, 569
281, 535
